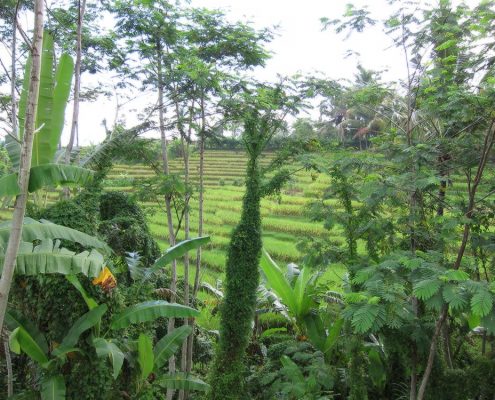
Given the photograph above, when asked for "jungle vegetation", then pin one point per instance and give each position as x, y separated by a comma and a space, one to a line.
246, 250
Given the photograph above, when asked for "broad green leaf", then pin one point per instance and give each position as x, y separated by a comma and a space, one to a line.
9, 185
178, 251
14, 344
14, 319
278, 281
45, 101
47, 257
90, 302
33, 230
105, 348
53, 175
145, 355
53, 388
149, 311
423, 290
61, 92
87, 321
53, 96
30, 346
169, 344
302, 298
181, 381
481, 303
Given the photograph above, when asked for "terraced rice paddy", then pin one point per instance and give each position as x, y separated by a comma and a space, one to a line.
284, 217
285, 220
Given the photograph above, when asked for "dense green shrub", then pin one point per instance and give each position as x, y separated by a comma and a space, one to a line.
309, 379
123, 225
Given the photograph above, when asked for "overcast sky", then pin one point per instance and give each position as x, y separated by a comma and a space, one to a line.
299, 46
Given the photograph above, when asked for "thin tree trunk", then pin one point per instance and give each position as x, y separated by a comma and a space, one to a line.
185, 149
197, 272
25, 163
74, 130
8, 362
14, 78
168, 206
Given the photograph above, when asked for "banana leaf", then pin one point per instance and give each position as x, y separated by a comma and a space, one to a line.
85, 322
145, 355
53, 388
53, 175
105, 348
149, 311
48, 257
178, 251
53, 96
182, 381
278, 282
39, 230
9, 185
169, 344
25, 342
14, 319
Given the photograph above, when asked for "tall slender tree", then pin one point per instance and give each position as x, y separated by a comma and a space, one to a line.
25, 161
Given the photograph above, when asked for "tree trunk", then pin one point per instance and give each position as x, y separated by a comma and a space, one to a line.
185, 149
25, 163
13, 100
197, 272
74, 130
168, 206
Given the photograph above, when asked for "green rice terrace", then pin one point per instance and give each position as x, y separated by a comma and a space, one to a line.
196, 205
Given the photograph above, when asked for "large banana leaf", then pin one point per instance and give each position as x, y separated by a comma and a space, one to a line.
278, 282
105, 348
179, 250
149, 311
53, 388
53, 96
90, 302
21, 339
14, 319
13, 147
181, 381
53, 175
169, 344
9, 185
34, 230
85, 322
48, 257
145, 355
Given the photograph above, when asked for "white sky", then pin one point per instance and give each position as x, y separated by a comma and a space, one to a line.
300, 46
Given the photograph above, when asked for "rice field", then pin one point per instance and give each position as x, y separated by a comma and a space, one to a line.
285, 219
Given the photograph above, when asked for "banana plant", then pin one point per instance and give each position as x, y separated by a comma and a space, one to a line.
150, 359
297, 291
53, 96
26, 338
